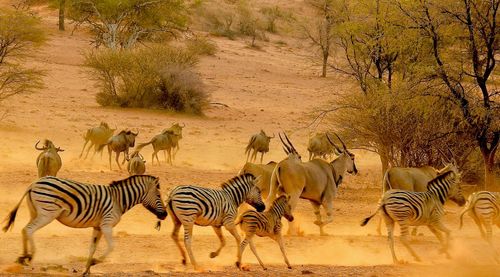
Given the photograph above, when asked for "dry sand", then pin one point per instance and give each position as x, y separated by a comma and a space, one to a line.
274, 89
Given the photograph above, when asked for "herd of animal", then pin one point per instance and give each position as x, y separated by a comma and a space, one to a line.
411, 196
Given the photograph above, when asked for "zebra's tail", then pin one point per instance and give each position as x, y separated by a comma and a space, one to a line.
468, 207
366, 220
12, 215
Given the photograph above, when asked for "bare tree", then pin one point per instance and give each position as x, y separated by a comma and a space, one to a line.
464, 44
20, 34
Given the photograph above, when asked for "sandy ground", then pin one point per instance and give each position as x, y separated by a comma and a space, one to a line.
274, 89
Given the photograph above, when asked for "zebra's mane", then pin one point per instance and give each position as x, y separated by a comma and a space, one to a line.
232, 181
118, 183
440, 177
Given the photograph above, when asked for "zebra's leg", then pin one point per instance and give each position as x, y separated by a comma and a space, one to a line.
440, 238
254, 250
389, 224
175, 237
279, 239
379, 227
107, 231
241, 249
414, 232
188, 233
405, 239
317, 213
96, 236
479, 224
232, 229
440, 226
218, 232
41, 219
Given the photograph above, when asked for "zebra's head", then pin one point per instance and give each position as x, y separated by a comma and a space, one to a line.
455, 194
287, 208
152, 200
254, 198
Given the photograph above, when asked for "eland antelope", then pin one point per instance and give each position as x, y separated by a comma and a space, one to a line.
316, 181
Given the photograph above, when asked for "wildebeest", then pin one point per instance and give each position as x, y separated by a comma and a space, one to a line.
263, 172
320, 146
316, 181
97, 136
120, 143
258, 143
176, 129
48, 162
136, 164
168, 140
410, 179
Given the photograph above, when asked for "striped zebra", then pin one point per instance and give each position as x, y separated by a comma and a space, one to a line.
266, 224
484, 208
190, 205
409, 208
80, 205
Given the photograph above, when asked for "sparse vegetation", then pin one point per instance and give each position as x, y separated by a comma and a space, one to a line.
201, 46
157, 77
20, 35
121, 24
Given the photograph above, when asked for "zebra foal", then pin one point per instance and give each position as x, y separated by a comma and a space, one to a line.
266, 224
81, 205
193, 205
409, 208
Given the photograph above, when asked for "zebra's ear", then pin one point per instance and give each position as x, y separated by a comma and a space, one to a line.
287, 197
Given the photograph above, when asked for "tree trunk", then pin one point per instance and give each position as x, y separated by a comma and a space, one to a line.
489, 171
62, 10
325, 63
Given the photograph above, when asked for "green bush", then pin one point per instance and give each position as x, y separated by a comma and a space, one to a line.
156, 77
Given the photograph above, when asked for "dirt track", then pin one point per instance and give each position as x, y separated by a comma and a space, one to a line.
273, 89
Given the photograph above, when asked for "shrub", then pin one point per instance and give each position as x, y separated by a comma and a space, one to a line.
201, 46
156, 77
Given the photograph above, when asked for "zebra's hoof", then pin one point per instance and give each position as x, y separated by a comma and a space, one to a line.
214, 254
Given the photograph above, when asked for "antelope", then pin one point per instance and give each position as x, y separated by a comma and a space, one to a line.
48, 162
258, 143
320, 146
97, 136
264, 172
316, 180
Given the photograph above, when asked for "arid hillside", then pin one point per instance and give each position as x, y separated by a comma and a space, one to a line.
273, 88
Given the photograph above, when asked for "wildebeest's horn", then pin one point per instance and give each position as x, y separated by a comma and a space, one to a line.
135, 134
332, 143
183, 125
343, 144
272, 136
59, 149
38, 148
140, 156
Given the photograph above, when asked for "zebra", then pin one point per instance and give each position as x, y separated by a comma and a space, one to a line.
484, 208
81, 205
189, 205
420, 208
266, 224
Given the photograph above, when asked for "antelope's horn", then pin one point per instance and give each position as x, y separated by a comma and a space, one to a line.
332, 143
343, 144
